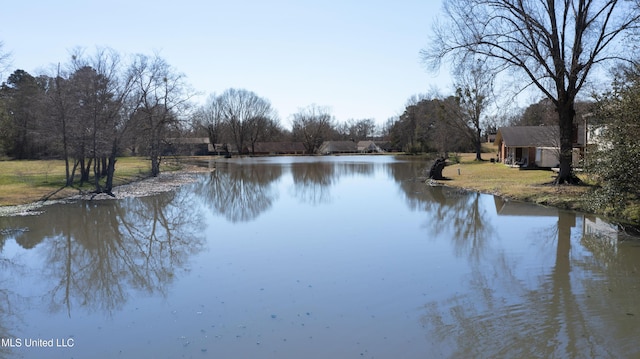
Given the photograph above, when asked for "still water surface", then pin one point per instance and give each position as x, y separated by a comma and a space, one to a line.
332, 257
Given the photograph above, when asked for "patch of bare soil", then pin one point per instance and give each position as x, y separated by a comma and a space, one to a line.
165, 182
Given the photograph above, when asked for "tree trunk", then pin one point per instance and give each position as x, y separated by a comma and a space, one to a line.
73, 171
96, 175
111, 169
103, 172
478, 145
155, 165
69, 179
212, 137
65, 153
566, 113
86, 171
85, 167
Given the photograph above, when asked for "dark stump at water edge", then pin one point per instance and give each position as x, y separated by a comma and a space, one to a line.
436, 169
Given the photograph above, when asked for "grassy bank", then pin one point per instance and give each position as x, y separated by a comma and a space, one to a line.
24, 182
530, 185
525, 185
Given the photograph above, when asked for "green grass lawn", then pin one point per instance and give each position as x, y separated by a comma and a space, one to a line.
529, 185
29, 181
526, 185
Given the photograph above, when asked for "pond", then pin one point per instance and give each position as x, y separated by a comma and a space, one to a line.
316, 257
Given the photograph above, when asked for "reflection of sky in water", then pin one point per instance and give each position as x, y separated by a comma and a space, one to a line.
318, 257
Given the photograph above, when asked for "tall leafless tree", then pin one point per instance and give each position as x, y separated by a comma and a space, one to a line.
554, 45
161, 97
210, 118
5, 58
259, 129
357, 130
60, 107
312, 126
245, 115
474, 92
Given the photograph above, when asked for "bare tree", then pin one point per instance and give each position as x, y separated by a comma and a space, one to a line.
161, 96
474, 90
245, 115
385, 131
5, 58
59, 104
360, 129
85, 101
210, 117
312, 126
260, 127
554, 45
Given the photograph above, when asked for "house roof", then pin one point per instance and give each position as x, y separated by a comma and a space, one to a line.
367, 145
338, 146
529, 136
188, 140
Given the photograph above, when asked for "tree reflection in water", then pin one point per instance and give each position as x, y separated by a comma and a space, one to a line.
11, 303
554, 293
506, 314
452, 212
240, 192
462, 215
312, 181
96, 253
508, 311
243, 191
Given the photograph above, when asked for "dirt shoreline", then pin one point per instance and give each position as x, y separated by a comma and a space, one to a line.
165, 182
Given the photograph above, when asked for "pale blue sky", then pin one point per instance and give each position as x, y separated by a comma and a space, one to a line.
360, 58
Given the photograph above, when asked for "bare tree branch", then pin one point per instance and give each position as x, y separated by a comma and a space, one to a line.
553, 44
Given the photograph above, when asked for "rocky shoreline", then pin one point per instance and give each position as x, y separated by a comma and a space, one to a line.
165, 182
